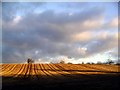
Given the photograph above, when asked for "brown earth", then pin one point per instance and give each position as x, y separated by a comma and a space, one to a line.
59, 76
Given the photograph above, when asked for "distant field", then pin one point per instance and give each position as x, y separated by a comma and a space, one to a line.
44, 76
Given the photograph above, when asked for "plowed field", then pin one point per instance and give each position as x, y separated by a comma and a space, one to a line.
53, 76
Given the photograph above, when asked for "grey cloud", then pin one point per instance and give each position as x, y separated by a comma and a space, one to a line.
45, 33
115, 53
101, 45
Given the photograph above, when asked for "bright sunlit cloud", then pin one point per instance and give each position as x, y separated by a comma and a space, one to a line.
16, 19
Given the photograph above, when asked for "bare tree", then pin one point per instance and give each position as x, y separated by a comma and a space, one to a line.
30, 61
110, 61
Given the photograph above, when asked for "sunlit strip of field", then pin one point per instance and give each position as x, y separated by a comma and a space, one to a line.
54, 70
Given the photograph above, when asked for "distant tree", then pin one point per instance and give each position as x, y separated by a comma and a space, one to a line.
82, 62
88, 63
92, 63
62, 62
117, 63
99, 62
69, 63
110, 61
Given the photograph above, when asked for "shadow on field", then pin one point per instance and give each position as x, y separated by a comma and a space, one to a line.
76, 82
79, 70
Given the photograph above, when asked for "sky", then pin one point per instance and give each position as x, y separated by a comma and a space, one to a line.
52, 31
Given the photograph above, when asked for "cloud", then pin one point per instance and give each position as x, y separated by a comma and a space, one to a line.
10, 10
48, 34
16, 19
102, 44
84, 36
112, 24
